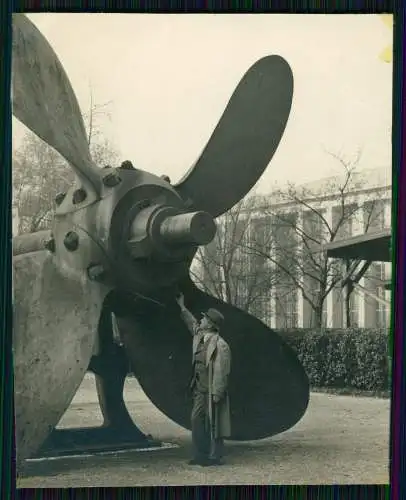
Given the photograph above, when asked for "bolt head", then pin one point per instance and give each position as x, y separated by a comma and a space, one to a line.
111, 179
71, 241
78, 196
59, 198
127, 165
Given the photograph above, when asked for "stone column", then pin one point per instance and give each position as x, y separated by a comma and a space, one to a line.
358, 295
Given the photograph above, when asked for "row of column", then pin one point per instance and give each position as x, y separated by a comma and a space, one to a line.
358, 298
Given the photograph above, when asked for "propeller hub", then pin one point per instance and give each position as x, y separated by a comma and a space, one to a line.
168, 233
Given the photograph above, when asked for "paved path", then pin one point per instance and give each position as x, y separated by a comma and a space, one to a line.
340, 440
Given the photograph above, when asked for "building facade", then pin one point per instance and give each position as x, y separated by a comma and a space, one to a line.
276, 252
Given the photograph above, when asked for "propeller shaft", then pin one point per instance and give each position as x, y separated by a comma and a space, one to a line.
164, 231
196, 228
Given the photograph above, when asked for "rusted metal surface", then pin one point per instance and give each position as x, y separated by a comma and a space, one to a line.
54, 331
269, 389
244, 140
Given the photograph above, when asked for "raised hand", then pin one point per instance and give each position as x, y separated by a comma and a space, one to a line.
180, 299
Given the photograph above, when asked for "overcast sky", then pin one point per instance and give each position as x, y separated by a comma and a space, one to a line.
169, 78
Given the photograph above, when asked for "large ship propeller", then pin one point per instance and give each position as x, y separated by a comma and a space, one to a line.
131, 235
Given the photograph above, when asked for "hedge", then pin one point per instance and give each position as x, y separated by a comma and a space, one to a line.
343, 359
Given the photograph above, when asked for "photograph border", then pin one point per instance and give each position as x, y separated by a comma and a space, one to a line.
398, 345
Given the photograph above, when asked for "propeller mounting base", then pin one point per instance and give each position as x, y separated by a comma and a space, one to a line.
82, 441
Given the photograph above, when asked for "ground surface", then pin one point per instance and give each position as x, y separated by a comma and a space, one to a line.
341, 440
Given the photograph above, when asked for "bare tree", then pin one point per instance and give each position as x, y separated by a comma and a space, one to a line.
102, 151
300, 226
271, 246
226, 268
40, 172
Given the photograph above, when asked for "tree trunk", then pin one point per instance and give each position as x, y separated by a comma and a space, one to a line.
321, 297
347, 298
318, 316
347, 305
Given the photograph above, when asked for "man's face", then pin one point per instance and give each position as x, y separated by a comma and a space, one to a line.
204, 322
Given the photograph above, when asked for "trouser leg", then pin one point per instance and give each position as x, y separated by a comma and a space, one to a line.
217, 444
200, 435
217, 449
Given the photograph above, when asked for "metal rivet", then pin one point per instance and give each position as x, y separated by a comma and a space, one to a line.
59, 198
111, 179
78, 196
166, 178
71, 241
127, 165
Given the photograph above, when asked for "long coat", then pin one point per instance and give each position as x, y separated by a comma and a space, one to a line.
218, 363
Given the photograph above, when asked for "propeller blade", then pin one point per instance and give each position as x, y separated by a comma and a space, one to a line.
54, 334
245, 139
44, 101
269, 389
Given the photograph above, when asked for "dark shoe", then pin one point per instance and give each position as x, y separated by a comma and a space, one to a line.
215, 461
204, 462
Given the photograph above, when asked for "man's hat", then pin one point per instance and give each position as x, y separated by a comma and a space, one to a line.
214, 316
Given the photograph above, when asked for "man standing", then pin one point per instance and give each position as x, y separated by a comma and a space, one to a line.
211, 368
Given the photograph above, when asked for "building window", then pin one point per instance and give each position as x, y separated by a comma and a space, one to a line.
377, 314
285, 245
260, 275
314, 234
286, 307
354, 309
382, 313
383, 310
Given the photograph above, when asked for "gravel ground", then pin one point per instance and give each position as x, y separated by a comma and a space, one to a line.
340, 440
